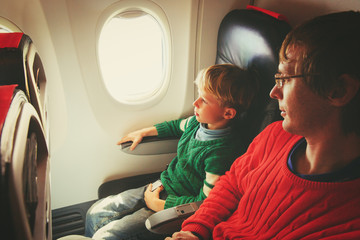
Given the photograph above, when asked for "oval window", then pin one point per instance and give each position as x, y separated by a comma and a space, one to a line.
131, 55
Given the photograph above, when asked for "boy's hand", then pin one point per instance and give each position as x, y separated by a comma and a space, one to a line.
182, 235
152, 199
137, 136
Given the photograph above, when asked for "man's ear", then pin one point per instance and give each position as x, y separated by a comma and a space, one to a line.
345, 92
230, 113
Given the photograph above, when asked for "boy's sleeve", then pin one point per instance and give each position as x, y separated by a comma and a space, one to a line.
217, 161
169, 128
174, 128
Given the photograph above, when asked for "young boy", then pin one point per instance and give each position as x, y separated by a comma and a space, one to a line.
205, 151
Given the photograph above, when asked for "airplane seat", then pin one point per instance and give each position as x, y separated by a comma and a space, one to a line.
250, 38
24, 177
24, 155
20, 64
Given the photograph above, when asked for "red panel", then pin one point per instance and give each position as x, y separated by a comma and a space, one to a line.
268, 12
10, 40
6, 93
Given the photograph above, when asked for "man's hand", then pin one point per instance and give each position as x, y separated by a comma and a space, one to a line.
152, 199
182, 235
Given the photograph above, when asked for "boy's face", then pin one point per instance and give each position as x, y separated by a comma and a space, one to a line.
209, 111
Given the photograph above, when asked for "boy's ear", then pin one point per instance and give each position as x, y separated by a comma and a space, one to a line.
230, 113
345, 92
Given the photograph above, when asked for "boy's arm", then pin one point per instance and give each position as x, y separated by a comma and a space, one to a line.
224, 198
217, 160
171, 128
174, 128
137, 136
218, 206
209, 182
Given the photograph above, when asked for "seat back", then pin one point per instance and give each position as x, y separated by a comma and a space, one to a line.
251, 38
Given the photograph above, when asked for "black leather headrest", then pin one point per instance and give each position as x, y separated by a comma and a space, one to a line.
13, 52
251, 39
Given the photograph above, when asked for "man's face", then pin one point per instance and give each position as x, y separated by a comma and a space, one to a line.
305, 113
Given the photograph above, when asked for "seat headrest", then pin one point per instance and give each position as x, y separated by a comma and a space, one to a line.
252, 39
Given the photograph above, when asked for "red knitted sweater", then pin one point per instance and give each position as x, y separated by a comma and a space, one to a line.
260, 198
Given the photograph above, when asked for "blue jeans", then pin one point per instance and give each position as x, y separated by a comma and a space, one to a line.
120, 216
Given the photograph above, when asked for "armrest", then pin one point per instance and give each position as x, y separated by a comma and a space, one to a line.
169, 220
152, 146
119, 185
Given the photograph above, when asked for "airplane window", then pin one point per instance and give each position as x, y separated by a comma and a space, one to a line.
132, 56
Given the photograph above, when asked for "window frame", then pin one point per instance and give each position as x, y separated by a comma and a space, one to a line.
158, 14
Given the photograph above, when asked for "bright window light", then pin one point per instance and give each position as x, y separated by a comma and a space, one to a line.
131, 55
4, 30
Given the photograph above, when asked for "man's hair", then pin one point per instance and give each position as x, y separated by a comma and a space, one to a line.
232, 86
329, 46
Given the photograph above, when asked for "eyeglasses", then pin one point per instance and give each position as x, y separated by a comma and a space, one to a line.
280, 79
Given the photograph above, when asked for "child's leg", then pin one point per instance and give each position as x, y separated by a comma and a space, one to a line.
130, 227
112, 208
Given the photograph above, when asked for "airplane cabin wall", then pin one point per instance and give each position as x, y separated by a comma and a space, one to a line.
90, 156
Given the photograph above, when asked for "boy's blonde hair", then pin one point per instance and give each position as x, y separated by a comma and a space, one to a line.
232, 86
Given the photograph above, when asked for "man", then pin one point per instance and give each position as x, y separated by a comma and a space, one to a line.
299, 178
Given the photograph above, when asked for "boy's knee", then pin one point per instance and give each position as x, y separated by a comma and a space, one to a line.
89, 215
74, 237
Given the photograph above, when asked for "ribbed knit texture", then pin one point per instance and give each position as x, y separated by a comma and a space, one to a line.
184, 178
260, 198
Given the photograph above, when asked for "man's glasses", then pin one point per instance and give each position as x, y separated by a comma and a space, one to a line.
280, 79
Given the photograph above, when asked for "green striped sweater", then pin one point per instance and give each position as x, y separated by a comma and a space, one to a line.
184, 178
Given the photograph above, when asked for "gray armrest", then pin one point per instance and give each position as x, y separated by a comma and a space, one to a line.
152, 146
169, 220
